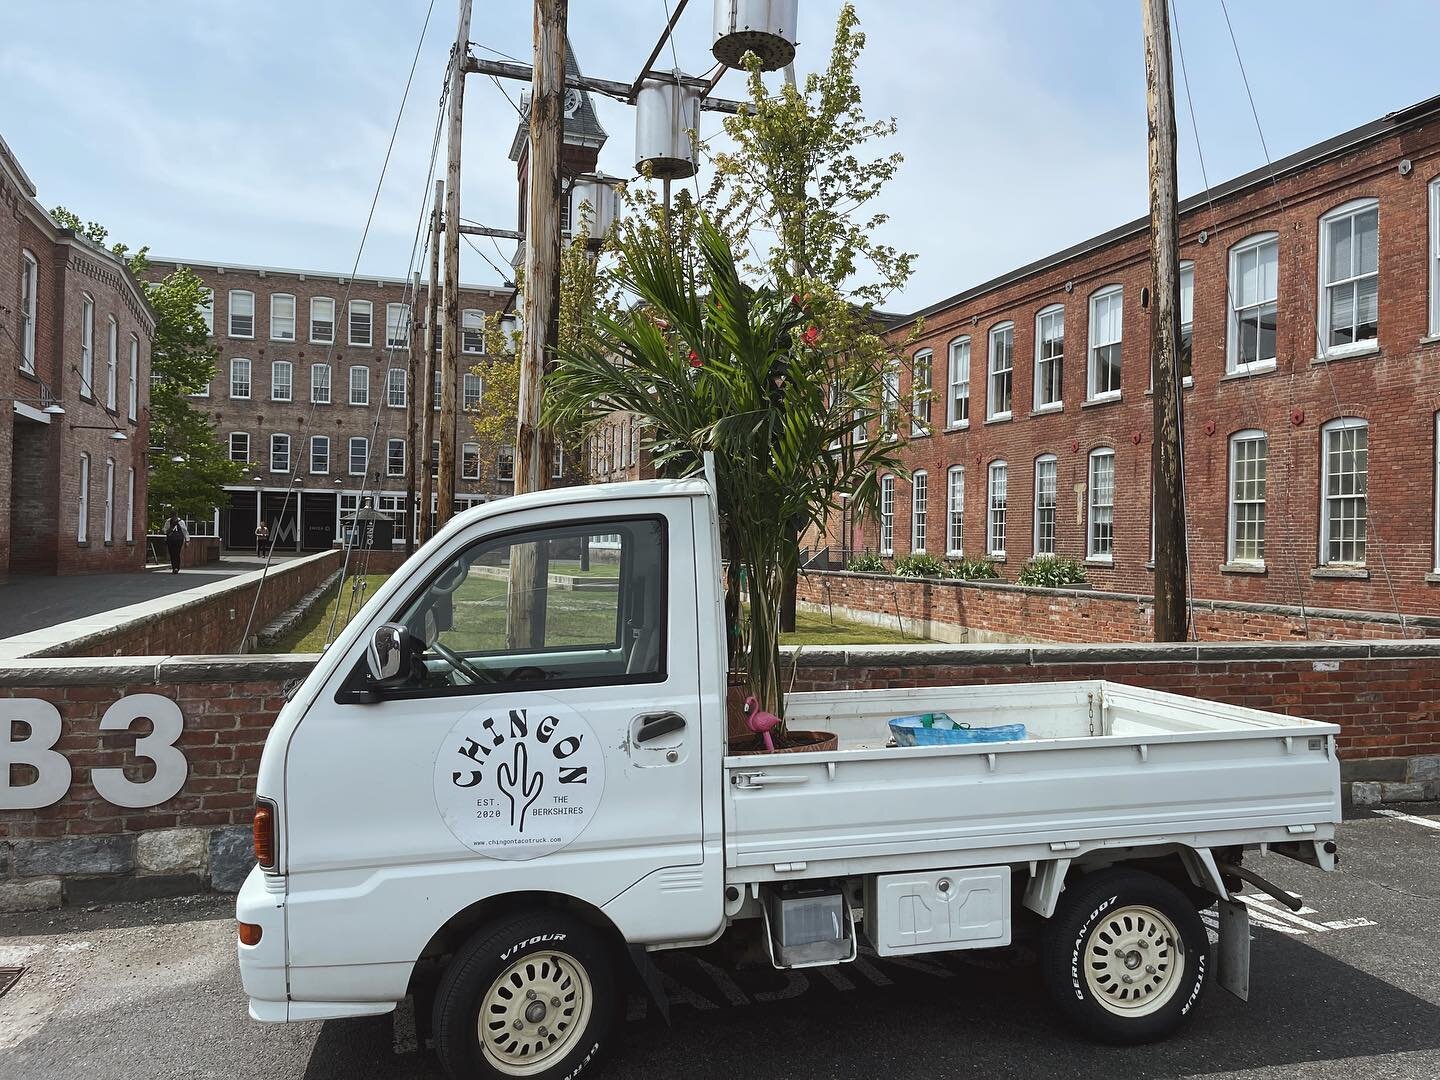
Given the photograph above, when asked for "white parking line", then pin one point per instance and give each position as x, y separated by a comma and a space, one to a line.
1429, 823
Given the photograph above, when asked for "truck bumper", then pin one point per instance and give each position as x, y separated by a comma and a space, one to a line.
261, 902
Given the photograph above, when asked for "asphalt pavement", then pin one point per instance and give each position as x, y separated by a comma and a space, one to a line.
1348, 988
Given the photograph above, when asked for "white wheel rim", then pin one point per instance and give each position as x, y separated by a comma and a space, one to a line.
1134, 961
534, 1013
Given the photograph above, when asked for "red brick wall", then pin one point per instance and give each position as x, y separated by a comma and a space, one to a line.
1027, 614
1395, 390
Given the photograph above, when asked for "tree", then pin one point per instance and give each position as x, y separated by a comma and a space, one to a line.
189, 466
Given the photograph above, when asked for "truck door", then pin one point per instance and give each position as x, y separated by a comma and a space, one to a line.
547, 740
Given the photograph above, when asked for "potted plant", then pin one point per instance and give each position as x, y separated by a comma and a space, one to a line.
714, 364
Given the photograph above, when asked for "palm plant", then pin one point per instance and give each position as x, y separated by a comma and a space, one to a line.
713, 364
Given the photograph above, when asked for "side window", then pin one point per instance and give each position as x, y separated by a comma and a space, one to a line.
566, 605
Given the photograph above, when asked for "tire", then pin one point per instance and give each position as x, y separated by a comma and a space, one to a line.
548, 971
1119, 924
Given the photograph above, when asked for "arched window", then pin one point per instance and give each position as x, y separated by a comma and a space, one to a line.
1046, 491
1102, 379
1350, 278
1049, 357
1249, 466
1002, 372
1100, 533
1253, 294
997, 498
919, 505
957, 407
887, 515
955, 511
1344, 482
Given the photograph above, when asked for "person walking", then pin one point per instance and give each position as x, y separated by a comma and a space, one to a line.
176, 537
262, 538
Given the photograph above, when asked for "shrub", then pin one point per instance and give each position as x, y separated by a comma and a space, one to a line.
1051, 572
919, 564
972, 570
867, 563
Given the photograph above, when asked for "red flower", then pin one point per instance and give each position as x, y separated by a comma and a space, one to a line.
795, 299
695, 360
811, 337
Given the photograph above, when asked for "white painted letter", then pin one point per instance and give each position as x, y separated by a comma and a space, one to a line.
171, 768
43, 720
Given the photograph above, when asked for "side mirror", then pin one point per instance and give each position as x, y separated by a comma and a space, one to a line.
388, 654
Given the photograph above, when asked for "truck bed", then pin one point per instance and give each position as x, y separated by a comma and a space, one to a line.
1102, 765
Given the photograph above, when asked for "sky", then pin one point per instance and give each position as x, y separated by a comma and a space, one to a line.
254, 132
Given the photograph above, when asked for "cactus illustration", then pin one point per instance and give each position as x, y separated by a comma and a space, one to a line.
516, 782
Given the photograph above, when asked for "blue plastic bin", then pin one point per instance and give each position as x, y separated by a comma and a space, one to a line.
943, 731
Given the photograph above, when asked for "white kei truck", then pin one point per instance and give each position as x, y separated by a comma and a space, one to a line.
508, 834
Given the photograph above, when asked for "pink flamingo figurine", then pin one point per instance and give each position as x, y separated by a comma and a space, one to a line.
760, 722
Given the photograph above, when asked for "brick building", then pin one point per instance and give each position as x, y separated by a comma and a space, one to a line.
310, 392
1311, 331
75, 336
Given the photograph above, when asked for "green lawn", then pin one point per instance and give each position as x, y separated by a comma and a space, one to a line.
589, 617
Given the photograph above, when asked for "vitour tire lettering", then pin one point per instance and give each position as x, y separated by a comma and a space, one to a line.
508, 953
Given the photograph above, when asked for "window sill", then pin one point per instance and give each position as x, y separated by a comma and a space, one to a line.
1100, 560
82, 543
994, 557
1045, 410
1430, 339
1349, 352
961, 426
312, 341
241, 337
108, 543
1263, 368
1341, 573
1432, 579
920, 435
1000, 418
1105, 399
281, 400
29, 373
1150, 566
1243, 568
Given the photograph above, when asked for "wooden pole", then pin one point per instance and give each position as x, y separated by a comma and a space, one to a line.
1171, 615
414, 402
427, 369
450, 322
542, 236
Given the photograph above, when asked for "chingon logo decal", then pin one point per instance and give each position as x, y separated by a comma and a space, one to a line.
518, 782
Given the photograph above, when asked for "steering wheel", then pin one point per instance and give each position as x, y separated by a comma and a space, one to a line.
469, 671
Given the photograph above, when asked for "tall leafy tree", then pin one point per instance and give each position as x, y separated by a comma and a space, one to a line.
189, 466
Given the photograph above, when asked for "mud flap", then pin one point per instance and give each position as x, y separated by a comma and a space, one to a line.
1235, 948
650, 977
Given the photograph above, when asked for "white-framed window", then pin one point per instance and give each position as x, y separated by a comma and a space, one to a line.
395, 388
361, 322
1102, 377
239, 378
505, 463
557, 460
108, 527
921, 385
395, 457
1046, 503
919, 509
29, 290
207, 310
955, 511
472, 390
130, 505
1254, 291
112, 360
1249, 464
241, 309
957, 400
1344, 487
279, 453
1433, 262
320, 384
1350, 278
240, 446
281, 377
82, 507
359, 385
319, 454
322, 321
87, 346
887, 515
1049, 357
890, 398
132, 407
470, 461
1002, 372
472, 331
359, 455
1100, 533
397, 326
435, 391
1186, 364
996, 502
282, 317
435, 458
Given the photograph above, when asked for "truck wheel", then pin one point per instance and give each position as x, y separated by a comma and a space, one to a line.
1125, 956
531, 996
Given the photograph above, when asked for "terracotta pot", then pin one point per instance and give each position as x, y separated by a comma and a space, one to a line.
796, 742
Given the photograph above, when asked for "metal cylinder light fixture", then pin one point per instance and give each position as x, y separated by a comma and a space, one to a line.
764, 27
666, 112
595, 194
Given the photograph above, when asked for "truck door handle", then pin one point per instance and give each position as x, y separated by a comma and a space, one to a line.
657, 724
760, 779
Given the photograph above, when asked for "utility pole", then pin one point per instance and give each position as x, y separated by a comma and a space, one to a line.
413, 403
427, 368
450, 325
542, 237
1171, 615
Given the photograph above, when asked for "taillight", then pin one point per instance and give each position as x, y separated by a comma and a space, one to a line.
249, 933
264, 834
